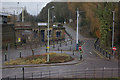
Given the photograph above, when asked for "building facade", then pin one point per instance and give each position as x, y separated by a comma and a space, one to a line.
21, 33
25, 33
8, 33
55, 32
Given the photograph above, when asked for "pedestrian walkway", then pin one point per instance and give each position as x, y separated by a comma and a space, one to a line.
26, 50
73, 62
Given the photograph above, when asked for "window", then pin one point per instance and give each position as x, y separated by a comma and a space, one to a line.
58, 33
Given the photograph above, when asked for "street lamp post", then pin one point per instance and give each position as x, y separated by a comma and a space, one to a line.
113, 31
77, 31
17, 12
48, 33
78, 15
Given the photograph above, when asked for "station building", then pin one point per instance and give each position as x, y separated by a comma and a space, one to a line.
56, 31
19, 33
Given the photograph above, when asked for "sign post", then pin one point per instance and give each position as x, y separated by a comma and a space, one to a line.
114, 49
80, 49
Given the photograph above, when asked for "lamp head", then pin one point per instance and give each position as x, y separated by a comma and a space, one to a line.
52, 7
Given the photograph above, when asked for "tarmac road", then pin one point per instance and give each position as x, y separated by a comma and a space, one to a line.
93, 64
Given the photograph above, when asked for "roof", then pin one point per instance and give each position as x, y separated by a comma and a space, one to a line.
4, 14
57, 25
23, 27
23, 24
42, 24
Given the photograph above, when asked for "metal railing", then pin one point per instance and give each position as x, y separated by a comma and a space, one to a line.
103, 51
83, 73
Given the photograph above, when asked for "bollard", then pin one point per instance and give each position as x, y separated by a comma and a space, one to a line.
103, 51
60, 44
52, 41
80, 57
32, 76
106, 54
49, 74
5, 57
94, 73
32, 52
45, 45
46, 50
58, 48
70, 48
23, 72
41, 75
95, 46
8, 78
57, 41
112, 73
109, 56
73, 52
66, 43
71, 42
61, 50
20, 54
41, 45
53, 45
100, 49
15, 77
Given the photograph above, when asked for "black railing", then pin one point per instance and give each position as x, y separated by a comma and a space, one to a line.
103, 51
86, 73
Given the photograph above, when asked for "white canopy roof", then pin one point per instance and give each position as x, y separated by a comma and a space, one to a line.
42, 24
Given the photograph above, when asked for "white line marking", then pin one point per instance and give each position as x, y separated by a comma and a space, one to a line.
90, 52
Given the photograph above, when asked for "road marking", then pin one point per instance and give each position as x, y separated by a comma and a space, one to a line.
86, 68
90, 52
104, 67
98, 54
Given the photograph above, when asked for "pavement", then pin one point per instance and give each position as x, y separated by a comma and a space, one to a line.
73, 62
26, 50
67, 46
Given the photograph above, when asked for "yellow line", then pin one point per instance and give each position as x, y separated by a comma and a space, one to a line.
98, 54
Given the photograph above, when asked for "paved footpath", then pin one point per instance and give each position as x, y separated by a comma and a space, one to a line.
26, 50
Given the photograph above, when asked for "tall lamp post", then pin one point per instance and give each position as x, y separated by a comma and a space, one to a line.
113, 31
78, 15
77, 31
17, 12
48, 33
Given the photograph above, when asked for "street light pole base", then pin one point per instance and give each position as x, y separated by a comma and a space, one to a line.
48, 57
76, 46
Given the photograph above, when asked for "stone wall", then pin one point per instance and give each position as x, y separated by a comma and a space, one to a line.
8, 35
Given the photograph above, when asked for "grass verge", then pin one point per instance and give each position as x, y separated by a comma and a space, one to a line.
41, 59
